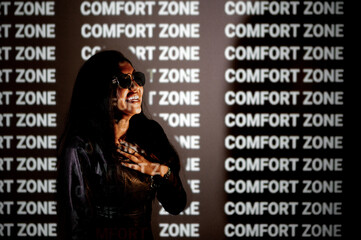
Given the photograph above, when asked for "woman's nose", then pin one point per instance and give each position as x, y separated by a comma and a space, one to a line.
133, 86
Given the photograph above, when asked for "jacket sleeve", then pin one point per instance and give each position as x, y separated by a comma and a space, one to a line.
170, 191
73, 206
171, 194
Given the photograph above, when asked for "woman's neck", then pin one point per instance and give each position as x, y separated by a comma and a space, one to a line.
120, 128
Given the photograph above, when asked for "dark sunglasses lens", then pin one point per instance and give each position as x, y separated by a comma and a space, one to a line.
139, 78
124, 81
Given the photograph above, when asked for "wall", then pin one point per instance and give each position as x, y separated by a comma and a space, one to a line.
251, 93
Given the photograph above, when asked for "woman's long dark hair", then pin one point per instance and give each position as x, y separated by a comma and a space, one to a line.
91, 114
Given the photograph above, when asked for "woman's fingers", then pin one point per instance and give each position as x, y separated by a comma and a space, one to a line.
135, 157
140, 163
130, 147
128, 144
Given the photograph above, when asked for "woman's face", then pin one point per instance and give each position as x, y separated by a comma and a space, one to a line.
129, 100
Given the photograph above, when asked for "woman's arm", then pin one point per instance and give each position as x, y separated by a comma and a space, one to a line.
170, 191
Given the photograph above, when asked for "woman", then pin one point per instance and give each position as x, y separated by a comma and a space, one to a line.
113, 161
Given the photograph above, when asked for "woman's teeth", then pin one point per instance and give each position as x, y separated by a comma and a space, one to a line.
133, 98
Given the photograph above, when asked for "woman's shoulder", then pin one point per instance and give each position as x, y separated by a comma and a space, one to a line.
78, 151
74, 146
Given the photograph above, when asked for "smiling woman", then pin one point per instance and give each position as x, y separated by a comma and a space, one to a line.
113, 160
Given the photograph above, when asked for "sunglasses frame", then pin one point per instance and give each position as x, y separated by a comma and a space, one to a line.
132, 77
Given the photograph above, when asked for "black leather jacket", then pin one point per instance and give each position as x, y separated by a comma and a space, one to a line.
101, 199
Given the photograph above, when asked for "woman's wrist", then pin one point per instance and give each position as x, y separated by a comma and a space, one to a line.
159, 179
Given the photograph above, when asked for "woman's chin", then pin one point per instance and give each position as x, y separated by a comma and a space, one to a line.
131, 110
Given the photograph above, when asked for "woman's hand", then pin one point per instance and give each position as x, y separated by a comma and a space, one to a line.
140, 163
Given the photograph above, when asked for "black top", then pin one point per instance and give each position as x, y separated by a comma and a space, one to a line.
101, 199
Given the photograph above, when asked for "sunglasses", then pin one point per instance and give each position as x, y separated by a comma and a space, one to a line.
125, 80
